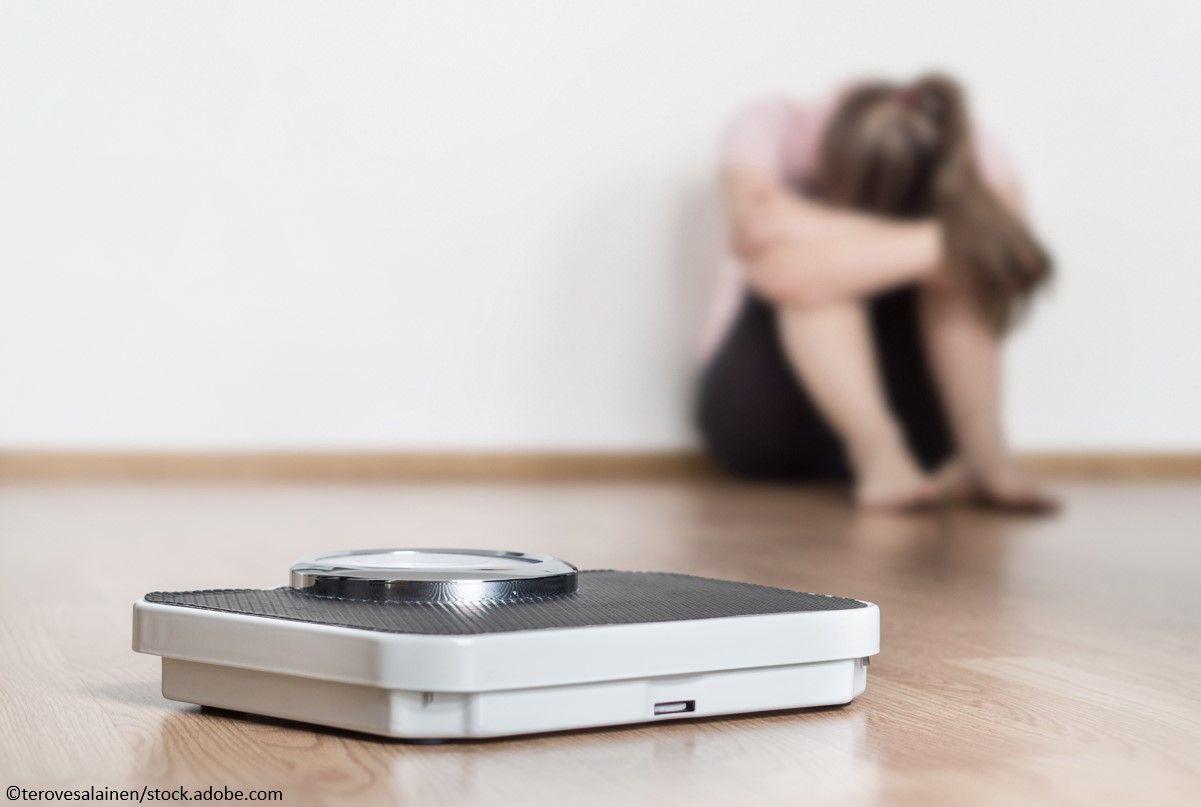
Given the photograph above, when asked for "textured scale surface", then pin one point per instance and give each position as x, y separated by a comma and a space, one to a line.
603, 598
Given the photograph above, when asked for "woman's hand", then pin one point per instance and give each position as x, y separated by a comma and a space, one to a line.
763, 215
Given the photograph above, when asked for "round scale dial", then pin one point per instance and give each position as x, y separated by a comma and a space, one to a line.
433, 575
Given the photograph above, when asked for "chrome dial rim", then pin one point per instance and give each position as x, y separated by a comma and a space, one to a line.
433, 575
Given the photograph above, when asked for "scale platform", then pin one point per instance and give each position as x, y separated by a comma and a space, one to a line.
444, 644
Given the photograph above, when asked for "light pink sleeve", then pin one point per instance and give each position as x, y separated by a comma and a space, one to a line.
756, 139
754, 142
995, 166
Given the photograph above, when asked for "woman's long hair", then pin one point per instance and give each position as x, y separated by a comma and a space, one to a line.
907, 151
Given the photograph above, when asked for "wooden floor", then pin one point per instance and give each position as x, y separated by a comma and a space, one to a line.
1024, 661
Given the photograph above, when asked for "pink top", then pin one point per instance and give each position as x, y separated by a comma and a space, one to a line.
780, 138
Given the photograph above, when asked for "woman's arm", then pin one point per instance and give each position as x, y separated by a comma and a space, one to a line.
800, 252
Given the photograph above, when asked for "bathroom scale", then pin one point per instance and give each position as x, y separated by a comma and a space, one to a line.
435, 644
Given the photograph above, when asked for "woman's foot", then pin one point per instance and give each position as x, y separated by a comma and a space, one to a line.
891, 481
1002, 487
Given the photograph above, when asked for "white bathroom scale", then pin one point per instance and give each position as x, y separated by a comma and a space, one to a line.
443, 643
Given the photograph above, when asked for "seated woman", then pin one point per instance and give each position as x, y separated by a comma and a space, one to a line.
880, 255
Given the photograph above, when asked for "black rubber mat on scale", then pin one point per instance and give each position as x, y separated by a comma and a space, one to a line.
603, 598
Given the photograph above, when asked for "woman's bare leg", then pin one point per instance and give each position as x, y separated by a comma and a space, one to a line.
965, 357
830, 348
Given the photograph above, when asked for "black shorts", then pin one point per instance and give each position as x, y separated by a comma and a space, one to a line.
757, 419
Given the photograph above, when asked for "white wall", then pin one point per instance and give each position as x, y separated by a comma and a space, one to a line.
488, 224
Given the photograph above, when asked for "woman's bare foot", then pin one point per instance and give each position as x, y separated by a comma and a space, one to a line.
956, 481
1007, 487
1003, 487
890, 480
